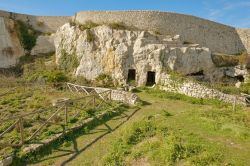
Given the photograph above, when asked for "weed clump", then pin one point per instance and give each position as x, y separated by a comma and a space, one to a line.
104, 80
87, 25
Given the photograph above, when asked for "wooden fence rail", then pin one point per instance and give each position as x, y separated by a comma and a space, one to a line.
94, 100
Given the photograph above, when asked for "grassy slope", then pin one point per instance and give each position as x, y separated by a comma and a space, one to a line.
222, 133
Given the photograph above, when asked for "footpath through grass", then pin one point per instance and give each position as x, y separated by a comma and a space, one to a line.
169, 129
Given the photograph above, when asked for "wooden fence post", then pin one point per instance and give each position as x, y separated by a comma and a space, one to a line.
110, 93
66, 114
94, 101
234, 104
21, 130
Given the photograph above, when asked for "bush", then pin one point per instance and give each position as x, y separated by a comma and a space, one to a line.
68, 62
80, 80
88, 25
118, 26
49, 76
90, 36
26, 34
104, 80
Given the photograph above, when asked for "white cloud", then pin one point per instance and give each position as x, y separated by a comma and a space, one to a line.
229, 12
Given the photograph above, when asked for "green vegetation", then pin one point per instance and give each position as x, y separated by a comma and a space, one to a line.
90, 36
224, 60
160, 145
230, 89
49, 76
88, 25
195, 135
104, 80
223, 87
157, 32
29, 98
27, 35
118, 26
165, 131
68, 62
176, 96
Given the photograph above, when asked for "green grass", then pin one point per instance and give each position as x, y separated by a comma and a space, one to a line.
208, 135
176, 96
31, 98
165, 131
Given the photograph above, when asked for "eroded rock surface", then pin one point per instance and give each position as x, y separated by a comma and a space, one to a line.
44, 45
10, 47
111, 51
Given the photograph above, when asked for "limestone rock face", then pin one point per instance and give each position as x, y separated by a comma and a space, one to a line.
10, 47
111, 51
44, 45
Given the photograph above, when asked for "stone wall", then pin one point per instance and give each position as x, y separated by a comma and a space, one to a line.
119, 95
197, 90
217, 37
46, 24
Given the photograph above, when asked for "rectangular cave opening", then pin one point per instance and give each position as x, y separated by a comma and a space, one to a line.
131, 75
150, 78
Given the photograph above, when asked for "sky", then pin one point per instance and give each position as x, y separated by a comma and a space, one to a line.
230, 12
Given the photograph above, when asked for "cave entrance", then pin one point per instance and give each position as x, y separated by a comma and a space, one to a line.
150, 78
131, 75
240, 78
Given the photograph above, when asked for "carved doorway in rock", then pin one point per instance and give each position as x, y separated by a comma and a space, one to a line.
131, 75
150, 78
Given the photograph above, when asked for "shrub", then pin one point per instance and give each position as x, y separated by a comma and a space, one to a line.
72, 23
68, 62
90, 36
104, 80
118, 25
81, 80
49, 76
26, 34
88, 25
226, 60
139, 131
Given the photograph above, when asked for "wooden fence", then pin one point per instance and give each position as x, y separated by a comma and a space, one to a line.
93, 99
101, 92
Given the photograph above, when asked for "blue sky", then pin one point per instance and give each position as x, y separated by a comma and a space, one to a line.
231, 12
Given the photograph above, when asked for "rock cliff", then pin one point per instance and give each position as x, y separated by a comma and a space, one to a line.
103, 49
10, 46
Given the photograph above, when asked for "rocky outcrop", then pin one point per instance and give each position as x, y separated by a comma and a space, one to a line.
113, 51
217, 37
10, 46
45, 24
